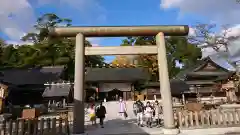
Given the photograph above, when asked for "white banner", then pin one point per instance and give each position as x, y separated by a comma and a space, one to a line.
106, 87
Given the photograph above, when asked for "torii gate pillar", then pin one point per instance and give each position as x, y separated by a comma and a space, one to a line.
79, 82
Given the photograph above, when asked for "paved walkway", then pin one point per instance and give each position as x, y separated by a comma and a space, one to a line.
119, 126
116, 125
213, 131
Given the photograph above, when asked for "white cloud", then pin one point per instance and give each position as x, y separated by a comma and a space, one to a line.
221, 11
95, 45
217, 11
94, 41
18, 43
191, 32
15, 33
18, 17
233, 31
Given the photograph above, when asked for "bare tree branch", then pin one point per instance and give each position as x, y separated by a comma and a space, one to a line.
205, 36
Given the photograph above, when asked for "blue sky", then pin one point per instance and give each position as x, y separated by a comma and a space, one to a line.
124, 12
110, 12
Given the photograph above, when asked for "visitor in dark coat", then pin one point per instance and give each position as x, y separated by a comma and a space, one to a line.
101, 112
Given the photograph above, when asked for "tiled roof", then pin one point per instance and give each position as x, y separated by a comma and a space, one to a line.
177, 86
224, 67
31, 75
61, 90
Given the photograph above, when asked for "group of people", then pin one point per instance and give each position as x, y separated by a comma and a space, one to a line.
149, 113
97, 112
146, 114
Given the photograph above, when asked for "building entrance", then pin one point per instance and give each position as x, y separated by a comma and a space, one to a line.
115, 94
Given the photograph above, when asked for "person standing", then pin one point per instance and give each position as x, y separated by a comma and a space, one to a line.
148, 114
158, 113
92, 114
138, 108
122, 108
101, 112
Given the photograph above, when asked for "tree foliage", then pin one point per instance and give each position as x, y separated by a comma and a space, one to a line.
45, 51
179, 50
123, 61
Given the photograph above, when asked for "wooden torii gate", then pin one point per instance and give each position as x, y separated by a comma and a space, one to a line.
116, 31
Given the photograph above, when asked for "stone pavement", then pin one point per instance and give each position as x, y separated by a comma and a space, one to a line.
116, 125
119, 127
212, 131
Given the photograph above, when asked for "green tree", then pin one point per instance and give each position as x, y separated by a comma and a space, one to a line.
9, 56
178, 50
42, 25
56, 51
45, 51
49, 50
2, 45
182, 51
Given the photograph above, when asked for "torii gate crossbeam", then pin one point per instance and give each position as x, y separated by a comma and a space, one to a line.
116, 31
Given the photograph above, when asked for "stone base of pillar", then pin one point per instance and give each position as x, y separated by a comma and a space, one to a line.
174, 131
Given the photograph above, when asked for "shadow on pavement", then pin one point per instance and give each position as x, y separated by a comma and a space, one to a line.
121, 127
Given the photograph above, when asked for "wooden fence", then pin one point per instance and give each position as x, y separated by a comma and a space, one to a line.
49, 126
208, 119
